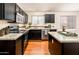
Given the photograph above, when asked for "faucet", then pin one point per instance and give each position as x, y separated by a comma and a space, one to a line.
63, 28
30, 24
49, 26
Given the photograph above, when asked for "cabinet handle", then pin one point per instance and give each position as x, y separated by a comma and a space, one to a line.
52, 41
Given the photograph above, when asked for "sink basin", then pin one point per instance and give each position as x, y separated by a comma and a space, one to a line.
68, 34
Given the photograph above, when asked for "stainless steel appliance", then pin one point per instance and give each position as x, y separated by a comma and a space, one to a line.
13, 29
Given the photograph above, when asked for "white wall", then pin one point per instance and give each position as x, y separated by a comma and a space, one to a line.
57, 17
58, 14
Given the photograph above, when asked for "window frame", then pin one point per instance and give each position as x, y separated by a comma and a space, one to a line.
38, 20
67, 20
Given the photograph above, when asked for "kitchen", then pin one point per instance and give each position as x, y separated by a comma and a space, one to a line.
46, 22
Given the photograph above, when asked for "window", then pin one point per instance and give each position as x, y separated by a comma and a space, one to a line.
38, 20
68, 21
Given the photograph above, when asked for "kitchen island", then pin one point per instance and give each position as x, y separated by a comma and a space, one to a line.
13, 43
63, 45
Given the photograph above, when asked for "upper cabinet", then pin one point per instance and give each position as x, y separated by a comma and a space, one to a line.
9, 11
1, 11
49, 18
21, 16
19, 10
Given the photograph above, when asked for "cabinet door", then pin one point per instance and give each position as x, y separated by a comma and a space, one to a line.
49, 18
34, 34
19, 50
25, 41
10, 11
70, 48
1, 10
55, 48
26, 17
37, 34
52, 18
17, 8
54, 30
7, 47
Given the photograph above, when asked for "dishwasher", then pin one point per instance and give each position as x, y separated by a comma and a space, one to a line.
44, 34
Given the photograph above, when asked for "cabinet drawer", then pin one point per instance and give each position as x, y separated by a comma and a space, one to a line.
53, 29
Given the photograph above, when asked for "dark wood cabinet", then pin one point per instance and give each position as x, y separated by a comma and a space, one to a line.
7, 47
54, 46
57, 48
10, 11
26, 17
18, 10
34, 34
70, 48
7, 11
11, 47
19, 49
25, 41
49, 18
22, 13
53, 30
1, 11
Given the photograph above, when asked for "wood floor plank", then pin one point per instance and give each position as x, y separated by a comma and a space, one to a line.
37, 47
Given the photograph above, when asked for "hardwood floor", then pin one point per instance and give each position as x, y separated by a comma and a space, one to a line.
37, 47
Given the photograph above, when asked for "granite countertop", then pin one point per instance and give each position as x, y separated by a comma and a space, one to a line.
3, 26
14, 36
64, 39
40, 28
11, 36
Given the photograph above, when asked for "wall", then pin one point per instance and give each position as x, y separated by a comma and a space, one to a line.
30, 14
57, 17
36, 13
58, 14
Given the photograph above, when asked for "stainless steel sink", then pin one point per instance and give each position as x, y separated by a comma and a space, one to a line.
68, 33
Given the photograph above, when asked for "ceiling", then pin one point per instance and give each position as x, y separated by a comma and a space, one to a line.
47, 7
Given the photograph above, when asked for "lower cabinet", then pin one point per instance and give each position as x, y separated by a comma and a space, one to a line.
53, 30
11, 47
57, 48
18, 50
34, 34
39, 33
25, 41
14, 47
7, 47
54, 47
70, 48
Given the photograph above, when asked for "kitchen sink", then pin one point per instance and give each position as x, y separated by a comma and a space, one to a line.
68, 33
